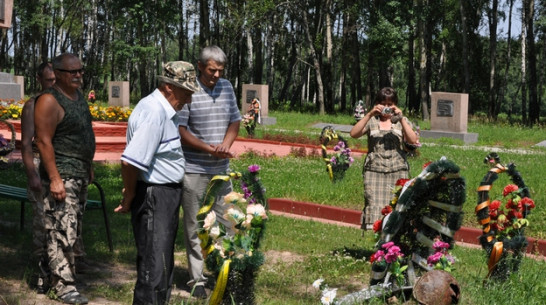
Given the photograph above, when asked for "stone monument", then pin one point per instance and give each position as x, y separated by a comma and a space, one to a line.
449, 117
6, 8
118, 94
9, 89
251, 91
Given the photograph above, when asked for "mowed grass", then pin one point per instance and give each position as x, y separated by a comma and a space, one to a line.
299, 251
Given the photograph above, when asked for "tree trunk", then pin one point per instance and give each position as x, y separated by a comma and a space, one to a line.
204, 23
423, 53
493, 19
508, 59
523, 67
466, 67
316, 64
534, 107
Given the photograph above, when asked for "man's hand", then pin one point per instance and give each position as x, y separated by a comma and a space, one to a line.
125, 205
57, 189
222, 151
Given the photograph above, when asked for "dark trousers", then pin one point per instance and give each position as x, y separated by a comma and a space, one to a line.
154, 215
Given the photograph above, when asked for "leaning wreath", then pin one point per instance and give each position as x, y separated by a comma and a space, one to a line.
503, 236
233, 257
424, 211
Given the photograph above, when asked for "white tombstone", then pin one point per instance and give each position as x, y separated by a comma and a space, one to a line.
118, 94
19, 79
449, 117
8, 88
261, 92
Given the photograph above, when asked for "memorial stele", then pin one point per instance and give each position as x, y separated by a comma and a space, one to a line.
261, 92
449, 117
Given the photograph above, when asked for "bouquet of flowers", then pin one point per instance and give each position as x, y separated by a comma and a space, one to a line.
389, 257
234, 258
359, 111
341, 160
249, 122
508, 221
441, 259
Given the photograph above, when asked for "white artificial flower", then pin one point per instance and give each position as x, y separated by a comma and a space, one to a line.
209, 220
328, 296
234, 197
215, 231
317, 283
234, 215
248, 221
256, 210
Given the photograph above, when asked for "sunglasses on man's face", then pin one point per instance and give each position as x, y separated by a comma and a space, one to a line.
73, 72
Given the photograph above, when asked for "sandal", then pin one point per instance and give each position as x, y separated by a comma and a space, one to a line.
73, 297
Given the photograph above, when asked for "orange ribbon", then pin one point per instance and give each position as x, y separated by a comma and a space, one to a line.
495, 256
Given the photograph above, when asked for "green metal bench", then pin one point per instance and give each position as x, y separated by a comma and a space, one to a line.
19, 193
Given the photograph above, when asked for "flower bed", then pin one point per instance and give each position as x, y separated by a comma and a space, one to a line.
11, 109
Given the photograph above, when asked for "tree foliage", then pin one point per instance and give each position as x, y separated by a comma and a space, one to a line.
317, 55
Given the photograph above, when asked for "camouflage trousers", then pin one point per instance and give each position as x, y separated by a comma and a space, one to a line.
39, 232
63, 223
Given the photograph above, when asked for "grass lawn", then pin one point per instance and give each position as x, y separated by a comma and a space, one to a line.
297, 251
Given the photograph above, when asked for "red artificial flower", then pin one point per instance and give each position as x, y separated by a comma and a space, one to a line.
386, 210
493, 214
494, 205
495, 227
377, 225
527, 203
401, 182
426, 164
509, 189
510, 204
514, 214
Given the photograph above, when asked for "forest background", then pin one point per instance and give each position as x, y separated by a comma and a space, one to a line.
320, 56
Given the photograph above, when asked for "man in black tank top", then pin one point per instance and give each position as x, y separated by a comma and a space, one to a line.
65, 139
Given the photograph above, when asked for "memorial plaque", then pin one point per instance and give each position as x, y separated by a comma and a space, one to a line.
115, 91
250, 95
445, 108
118, 94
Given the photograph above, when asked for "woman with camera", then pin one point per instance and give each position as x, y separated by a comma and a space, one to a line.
390, 134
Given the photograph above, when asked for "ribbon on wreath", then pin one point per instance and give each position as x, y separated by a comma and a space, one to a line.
221, 283
328, 133
208, 202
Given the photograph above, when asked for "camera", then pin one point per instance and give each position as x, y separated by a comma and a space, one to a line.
387, 110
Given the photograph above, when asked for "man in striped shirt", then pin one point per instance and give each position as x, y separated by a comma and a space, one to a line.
208, 127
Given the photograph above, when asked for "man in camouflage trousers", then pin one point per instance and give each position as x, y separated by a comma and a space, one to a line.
31, 160
65, 139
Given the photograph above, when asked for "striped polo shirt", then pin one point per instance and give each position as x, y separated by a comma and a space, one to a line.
207, 118
153, 141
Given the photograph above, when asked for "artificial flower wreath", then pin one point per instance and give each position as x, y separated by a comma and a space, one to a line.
503, 227
234, 256
341, 160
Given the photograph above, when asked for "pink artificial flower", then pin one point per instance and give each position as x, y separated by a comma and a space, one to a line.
434, 258
254, 168
387, 245
440, 245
